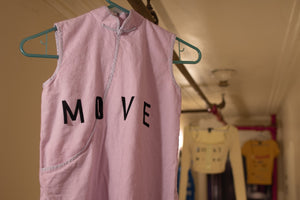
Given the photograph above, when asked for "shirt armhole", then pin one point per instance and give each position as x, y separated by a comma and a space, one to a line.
59, 49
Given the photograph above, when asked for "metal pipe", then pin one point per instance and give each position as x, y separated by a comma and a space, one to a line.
140, 7
256, 128
219, 115
194, 111
191, 81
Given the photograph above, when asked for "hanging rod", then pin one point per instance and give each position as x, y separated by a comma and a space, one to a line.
191, 81
195, 111
140, 7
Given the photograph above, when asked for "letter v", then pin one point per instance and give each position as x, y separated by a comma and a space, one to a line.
124, 106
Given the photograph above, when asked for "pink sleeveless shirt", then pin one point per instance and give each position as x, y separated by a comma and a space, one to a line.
110, 112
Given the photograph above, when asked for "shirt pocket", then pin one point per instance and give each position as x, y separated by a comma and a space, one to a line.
65, 146
66, 133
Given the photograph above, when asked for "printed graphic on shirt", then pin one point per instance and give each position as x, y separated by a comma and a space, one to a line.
78, 110
206, 156
260, 157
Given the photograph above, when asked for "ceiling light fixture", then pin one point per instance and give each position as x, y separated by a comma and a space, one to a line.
223, 76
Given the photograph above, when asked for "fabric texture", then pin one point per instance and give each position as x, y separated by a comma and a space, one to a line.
206, 152
260, 157
110, 112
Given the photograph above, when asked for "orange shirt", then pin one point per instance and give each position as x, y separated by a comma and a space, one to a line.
260, 157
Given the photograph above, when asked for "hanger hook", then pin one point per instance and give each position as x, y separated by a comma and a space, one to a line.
180, 50
45, 43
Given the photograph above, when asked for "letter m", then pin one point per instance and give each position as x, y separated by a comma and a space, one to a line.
67, 109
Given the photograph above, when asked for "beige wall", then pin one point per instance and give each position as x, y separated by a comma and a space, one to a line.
289, 138
21, 85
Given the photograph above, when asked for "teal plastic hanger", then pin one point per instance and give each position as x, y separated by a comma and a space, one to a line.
33, 37
111, 5
187, 61
114, 5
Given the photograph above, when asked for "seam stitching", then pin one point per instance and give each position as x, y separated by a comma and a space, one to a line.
113, 66
59, 47
54, 167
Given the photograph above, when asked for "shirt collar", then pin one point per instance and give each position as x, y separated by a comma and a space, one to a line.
122, 23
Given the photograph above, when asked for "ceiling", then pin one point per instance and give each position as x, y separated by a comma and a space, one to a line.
259, 39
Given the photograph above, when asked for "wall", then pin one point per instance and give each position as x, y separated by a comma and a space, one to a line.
21, 85
289, 139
